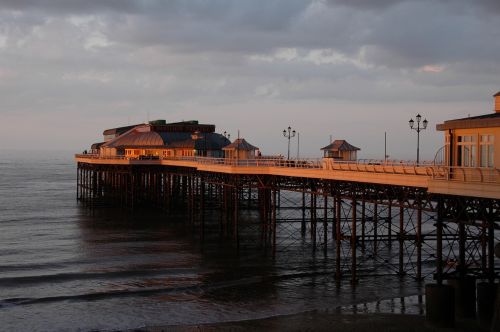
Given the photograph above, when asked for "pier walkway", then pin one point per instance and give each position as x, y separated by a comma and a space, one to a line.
461, 181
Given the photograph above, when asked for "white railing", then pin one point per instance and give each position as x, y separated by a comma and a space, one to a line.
464, 174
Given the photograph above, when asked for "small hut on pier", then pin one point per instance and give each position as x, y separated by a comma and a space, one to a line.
341, 150
240, 149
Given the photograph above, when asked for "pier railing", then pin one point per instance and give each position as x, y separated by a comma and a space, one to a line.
467, 174
462, 174
262, 162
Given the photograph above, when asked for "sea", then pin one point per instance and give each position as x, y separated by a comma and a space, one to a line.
64, 267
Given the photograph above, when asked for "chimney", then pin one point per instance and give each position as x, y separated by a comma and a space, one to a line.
497, 102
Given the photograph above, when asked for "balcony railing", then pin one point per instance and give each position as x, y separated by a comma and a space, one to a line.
467, 174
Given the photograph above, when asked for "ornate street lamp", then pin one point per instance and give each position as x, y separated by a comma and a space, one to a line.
288, 134
418, 129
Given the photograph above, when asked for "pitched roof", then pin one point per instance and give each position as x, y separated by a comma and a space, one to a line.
340, 145
497, 94
240, 144
211, 141
135, 137
119, 130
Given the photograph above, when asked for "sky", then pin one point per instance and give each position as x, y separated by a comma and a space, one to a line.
345, 69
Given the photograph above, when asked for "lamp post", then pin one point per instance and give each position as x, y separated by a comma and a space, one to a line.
228, 136
298, 145
418, 129
288, 134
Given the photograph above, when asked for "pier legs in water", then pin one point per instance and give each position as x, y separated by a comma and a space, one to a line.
358, 222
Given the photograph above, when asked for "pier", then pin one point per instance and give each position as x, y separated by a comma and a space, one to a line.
436, 220
424, 213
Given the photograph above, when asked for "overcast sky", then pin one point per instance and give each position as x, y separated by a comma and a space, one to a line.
351, 69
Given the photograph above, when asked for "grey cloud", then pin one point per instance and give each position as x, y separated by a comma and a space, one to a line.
200, 59
408, 35
263, 13
491, 6
371, 4
412, 34
416, 33
71, 6
487, 6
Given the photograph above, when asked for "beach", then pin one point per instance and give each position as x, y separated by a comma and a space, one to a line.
326, 321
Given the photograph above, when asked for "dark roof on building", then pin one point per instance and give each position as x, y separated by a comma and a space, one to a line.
184, 127
208, 141
119, 130
161, 125
211, 141
189, 122
340, 145
497, 94
240, 144
145, 136
480, 121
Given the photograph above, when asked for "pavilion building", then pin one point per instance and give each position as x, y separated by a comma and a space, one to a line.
472, 141
161, 139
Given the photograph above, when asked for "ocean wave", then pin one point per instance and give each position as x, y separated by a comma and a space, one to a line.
62, 277
146, 292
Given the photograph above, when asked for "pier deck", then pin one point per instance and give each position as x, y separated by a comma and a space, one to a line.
460, 181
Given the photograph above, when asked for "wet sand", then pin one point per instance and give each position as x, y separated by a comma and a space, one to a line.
326, 321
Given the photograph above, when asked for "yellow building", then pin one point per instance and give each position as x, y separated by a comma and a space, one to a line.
472, 141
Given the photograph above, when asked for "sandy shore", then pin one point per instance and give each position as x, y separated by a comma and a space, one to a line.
324, 321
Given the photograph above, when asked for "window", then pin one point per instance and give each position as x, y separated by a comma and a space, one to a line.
466, 151
487, 153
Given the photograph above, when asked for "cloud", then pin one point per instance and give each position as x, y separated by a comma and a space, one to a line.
431, 69
222, 60
58, 7
490, 6
371, 4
